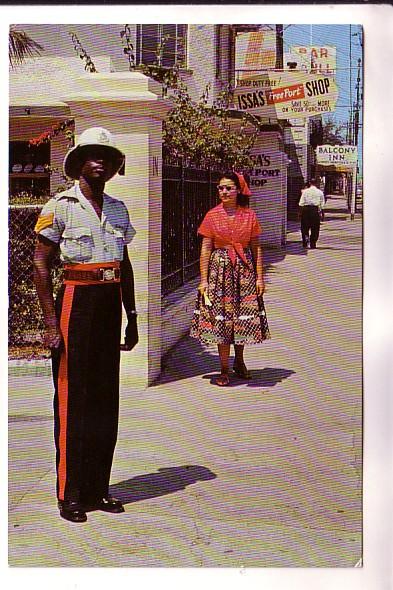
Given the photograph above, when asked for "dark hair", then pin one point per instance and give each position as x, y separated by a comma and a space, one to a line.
242, 200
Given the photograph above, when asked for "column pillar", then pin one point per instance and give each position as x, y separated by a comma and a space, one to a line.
130, 106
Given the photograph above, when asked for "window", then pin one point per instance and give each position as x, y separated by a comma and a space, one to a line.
165, 43
28, 171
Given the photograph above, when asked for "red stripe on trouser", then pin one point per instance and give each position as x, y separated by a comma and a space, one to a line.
63, 388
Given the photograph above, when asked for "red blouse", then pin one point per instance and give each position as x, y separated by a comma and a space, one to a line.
234, 235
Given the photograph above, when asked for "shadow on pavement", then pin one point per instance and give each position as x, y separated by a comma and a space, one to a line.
166, 480
267, 377
292, 248
187, 359
190, 359
343, 217
339, 248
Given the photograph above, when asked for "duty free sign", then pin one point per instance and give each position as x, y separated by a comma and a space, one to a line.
286, 95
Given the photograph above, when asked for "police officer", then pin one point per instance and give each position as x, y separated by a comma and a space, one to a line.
82, 329
311, 204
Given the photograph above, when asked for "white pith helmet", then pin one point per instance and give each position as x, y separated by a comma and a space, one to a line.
94, 136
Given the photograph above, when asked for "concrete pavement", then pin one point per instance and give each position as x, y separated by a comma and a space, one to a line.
265, 473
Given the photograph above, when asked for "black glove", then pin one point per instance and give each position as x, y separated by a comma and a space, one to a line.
131, 333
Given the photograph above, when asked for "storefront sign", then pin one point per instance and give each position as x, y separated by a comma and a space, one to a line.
344, 155
268, 184
284, 95
269, 164
321, 60
255, 50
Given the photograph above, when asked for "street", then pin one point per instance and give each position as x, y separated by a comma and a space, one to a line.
265, 473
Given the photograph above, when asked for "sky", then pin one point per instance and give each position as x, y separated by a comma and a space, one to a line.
348, 41
338, 36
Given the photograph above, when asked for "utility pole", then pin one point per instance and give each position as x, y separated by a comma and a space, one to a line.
357, 106
350, 87
279, 47
356, 133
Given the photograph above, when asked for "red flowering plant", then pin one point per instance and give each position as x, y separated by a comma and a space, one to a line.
65, 126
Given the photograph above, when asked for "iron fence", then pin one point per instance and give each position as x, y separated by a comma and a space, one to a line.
187, 194
25, 322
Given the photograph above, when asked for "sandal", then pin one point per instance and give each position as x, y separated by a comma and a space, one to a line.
223, 379
241, 371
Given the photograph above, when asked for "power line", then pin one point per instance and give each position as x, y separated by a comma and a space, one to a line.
305, 61
317, 38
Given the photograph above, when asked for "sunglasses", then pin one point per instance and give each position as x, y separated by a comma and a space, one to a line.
227, 186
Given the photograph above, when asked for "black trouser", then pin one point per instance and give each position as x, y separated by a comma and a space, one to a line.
86, 380
310, 221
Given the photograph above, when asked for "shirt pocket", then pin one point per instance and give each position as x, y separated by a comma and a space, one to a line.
114, 239
77, 244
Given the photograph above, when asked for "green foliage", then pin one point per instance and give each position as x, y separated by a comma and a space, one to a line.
82, 53
25, 317
333, 132
128, 49
21, 46
168, 77
25, 197
194, 132
204, 135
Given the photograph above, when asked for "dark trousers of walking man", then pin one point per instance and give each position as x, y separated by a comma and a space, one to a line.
310, 221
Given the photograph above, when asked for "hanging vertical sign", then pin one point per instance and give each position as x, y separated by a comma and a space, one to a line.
255, 51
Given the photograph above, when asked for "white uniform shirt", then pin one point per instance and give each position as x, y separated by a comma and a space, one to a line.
312, 196
69, 219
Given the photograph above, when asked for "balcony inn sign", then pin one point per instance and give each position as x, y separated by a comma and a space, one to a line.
286, 95
338, 155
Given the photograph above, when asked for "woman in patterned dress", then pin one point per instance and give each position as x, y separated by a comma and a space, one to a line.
230, 307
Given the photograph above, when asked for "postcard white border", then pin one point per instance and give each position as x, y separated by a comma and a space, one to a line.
376, 572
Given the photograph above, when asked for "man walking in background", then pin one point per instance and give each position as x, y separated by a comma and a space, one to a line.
311, 204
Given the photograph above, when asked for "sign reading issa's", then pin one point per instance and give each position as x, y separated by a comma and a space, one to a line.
284, 95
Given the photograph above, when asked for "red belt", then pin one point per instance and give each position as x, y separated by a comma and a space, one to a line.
92, 273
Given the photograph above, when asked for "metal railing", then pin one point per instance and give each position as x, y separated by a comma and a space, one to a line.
187, 194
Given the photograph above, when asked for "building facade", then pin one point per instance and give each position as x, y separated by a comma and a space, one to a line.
49, 92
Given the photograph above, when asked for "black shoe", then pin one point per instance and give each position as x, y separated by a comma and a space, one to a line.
108, 504
72, 511
313, 246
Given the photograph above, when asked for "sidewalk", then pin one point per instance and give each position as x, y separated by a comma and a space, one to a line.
265, 473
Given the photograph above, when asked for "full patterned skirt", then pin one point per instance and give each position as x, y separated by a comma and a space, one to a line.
236, 314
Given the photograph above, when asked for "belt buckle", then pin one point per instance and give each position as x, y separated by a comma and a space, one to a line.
107, 274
